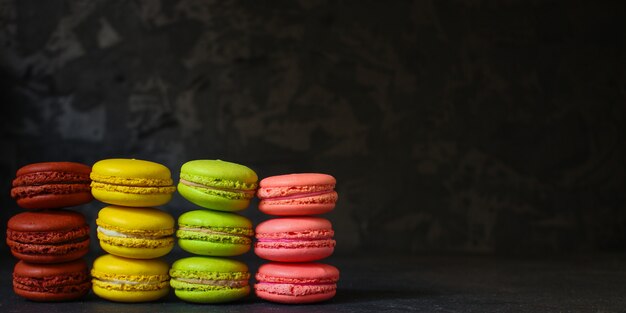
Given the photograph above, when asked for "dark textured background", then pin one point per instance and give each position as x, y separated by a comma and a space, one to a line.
451, 126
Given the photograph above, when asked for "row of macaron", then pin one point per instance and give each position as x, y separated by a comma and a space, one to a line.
213, 184
146, 232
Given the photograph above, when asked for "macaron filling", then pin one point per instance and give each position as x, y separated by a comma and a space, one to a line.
294, 289
133, 189
242, 193
235, 235
148, 234
211, 282
133, 240
296, 191
182, 279
51, 243
313, 234
128, 181
56, 189
300, 195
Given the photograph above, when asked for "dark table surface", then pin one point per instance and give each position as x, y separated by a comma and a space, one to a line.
413, 284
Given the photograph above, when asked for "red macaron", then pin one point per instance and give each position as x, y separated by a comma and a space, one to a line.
297, 194
294, 239
51, 282
48, 236
51, 185
296, 282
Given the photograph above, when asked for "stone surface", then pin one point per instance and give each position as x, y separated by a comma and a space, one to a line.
415, 284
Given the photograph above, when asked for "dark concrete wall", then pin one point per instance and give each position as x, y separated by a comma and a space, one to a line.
451, 126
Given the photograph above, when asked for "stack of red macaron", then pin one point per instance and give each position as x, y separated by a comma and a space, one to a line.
50, 241
295, 240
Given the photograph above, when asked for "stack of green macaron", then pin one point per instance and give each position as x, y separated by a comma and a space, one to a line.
134, 233
214, 232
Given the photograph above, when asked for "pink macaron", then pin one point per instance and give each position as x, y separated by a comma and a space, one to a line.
296, 282
297, 194
294, 239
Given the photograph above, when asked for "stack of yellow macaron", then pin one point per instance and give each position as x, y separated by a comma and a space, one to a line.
131, 230
214, 231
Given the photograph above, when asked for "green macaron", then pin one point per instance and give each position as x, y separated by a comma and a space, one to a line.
217, 184
209, 280
214, 233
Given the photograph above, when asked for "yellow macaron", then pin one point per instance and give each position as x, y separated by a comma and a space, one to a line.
138, 233
131, 182
129, 280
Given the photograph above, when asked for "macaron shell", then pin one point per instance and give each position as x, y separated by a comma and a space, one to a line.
131, 199
54, 297
54, 254
212, 296
130, 296
136, 220
212, 248
133, 169
56, 199
136, 252
218, 170
301, 254
288, 299
209, 200
297, 273
293, 224
299, 179
224, 266
114, 265
46, 221
68, 167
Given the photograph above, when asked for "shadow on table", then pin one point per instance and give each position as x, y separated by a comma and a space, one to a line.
360, 296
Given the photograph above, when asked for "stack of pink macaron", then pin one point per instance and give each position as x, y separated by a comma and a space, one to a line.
295, 240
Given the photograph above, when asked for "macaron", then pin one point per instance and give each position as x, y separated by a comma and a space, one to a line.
129, 280
214, 233
52, 185
294, 239
48, 236
209, 280
297, 194
131, 182
51, 282
217, 184
138, 233
296, 282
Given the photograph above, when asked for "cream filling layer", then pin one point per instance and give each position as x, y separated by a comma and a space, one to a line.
209, 231
189, 183
211, 282
127, 282
112, 233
